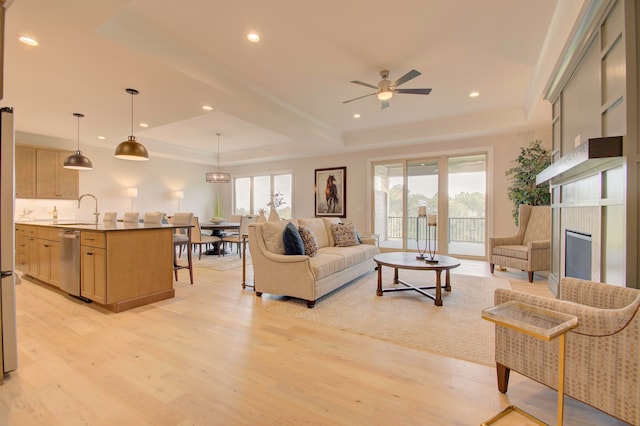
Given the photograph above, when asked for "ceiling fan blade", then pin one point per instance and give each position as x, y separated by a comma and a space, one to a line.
362, 83
414, 91
359, 97
384, 104
408, 76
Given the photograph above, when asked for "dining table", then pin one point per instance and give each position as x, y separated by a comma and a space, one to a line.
218, 229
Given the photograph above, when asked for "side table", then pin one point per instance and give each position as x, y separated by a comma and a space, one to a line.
538, 322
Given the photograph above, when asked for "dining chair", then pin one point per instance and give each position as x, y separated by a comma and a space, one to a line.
131, 217
198, 238
110, 217
154, 218
184, 223
243, 230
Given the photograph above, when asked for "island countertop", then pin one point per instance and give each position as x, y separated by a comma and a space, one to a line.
121, 265
100, 227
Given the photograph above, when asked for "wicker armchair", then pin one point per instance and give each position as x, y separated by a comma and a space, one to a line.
602, 366
529, 248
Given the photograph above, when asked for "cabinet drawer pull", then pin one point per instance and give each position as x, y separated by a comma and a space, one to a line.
90, 239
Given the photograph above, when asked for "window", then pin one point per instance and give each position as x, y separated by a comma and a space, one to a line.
252, 193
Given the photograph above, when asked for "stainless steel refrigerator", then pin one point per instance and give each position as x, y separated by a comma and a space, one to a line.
7, 243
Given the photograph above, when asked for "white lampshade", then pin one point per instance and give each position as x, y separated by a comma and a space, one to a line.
132, 192
178, 195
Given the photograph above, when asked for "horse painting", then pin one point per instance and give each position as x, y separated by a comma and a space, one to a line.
331, 194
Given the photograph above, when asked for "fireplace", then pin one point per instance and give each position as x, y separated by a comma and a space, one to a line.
577, 258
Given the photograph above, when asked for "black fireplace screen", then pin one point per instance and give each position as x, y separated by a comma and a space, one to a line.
577, 255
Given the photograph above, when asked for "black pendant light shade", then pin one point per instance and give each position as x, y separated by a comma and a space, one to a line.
77, 161
131, 149
218, 176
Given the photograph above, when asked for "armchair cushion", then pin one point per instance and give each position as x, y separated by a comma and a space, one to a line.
519, 252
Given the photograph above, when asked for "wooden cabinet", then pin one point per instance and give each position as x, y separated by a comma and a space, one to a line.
25, 172
26, 249
53, 180
93, 266
40, 174
48, 254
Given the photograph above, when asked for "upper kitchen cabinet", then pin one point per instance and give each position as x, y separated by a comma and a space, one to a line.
53, 180
25, 172
39, 174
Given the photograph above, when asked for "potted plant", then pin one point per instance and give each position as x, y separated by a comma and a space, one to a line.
523, 190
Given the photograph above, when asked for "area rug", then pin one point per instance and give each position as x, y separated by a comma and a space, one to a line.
455, 329
218, 263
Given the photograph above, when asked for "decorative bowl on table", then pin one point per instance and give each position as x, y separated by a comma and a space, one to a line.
216, 220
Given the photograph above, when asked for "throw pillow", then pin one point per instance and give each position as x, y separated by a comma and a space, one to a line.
344, 235
292, 240
309, 240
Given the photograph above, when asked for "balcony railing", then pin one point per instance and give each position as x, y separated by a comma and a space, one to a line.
461, 229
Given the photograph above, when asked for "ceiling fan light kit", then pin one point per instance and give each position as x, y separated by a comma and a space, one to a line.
385, 88
131, 149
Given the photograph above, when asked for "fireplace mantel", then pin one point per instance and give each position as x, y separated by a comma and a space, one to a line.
592, 156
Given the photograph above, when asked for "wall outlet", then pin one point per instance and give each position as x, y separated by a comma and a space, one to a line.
576, 141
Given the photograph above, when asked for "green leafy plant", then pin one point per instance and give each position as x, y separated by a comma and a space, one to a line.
523, 190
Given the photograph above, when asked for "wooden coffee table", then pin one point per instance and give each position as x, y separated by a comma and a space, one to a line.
404, 260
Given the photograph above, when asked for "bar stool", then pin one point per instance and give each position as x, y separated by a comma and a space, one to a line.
184, 221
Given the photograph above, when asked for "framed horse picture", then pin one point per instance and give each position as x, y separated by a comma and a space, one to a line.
331, 192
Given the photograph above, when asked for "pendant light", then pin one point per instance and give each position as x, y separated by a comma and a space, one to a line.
77, 161
218, 176
131, 149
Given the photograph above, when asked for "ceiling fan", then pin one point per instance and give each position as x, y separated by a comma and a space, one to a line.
385, 88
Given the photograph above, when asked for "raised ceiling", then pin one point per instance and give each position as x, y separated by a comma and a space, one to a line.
281, 97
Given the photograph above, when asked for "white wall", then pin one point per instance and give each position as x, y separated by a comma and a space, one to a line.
504, 148
159, 177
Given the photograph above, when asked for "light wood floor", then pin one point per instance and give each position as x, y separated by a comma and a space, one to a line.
213, 356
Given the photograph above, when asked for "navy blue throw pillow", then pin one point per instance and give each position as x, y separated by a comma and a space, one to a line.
292, 240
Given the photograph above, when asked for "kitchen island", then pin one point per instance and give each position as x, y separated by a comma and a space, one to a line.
122, 265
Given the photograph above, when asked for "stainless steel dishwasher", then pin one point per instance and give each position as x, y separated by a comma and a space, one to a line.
70, 262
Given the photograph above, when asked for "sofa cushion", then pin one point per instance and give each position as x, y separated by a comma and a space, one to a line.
292, 240
328, 221
272, 235
308, 240
344, 235
325, 264
519, 252
318, 228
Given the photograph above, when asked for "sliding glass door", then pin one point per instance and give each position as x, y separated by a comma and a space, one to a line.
467, 179
451, 187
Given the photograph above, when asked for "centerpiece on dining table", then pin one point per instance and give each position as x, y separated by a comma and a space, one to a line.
217, 214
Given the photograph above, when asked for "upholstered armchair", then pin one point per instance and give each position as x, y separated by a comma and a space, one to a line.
602, 355
529, 248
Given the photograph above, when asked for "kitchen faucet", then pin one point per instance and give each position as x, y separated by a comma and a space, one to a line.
96, 214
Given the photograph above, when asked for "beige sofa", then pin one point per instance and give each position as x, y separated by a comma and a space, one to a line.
301, 276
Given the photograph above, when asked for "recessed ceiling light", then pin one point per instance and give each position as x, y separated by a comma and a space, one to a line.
207, 107
253, 37
28, 41
143, 125
356, 116
101, 138
474, 94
